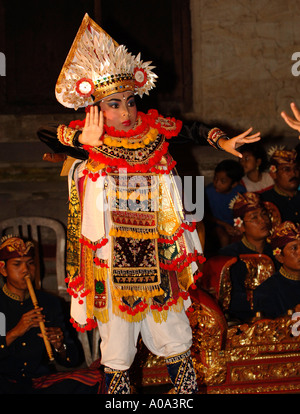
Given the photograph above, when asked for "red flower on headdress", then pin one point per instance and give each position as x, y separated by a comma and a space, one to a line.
140, 76
85, 87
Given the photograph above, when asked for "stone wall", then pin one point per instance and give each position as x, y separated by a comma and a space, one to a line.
29, 185
242, 64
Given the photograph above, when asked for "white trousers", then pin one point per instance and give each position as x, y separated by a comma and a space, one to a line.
119, 338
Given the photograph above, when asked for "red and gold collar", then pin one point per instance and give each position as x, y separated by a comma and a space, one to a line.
142, 149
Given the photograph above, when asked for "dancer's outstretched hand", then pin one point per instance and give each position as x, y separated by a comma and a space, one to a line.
294, 123
230, 145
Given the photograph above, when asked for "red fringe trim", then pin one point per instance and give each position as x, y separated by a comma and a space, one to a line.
139, 308
160, 171
75, 286
196, 277
76, 282
90, 325
94, 246
171, 302
77, 124
98, 262
151, 118
128, 134
173, 239
183, 261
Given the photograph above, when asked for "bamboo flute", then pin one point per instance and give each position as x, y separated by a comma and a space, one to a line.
42, 325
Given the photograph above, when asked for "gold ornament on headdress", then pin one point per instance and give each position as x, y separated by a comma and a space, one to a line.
15, 244
272, 150
283, 234
249, 200
280, 155
96, 67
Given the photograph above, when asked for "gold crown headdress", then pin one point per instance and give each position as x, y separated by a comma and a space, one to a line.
13, 246
283, 234
242, 203
274, 148
281, 155
96, 67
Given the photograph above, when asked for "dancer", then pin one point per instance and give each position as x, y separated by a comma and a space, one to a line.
131, 255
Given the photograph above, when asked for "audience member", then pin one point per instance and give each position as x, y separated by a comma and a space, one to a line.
253, 221
219, 193
281, 292
254, 163
23, 358
284, 194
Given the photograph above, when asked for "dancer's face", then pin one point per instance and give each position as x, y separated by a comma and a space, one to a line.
119, 110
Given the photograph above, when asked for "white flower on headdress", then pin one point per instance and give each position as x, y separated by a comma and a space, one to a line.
140, 76
85, 87
272, 168
144, 77
238, 222
276, 251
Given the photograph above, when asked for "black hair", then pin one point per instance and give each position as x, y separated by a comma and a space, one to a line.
258, 152
232, 168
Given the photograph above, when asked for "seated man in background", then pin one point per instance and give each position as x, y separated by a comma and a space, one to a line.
285, 195
23, 357
253, 221
281, 292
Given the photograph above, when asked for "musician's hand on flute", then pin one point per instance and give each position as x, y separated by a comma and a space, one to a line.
55, 337
28, 320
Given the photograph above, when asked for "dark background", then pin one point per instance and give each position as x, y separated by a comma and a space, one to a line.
37, 35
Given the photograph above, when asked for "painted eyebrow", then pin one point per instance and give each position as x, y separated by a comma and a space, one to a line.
119, 100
